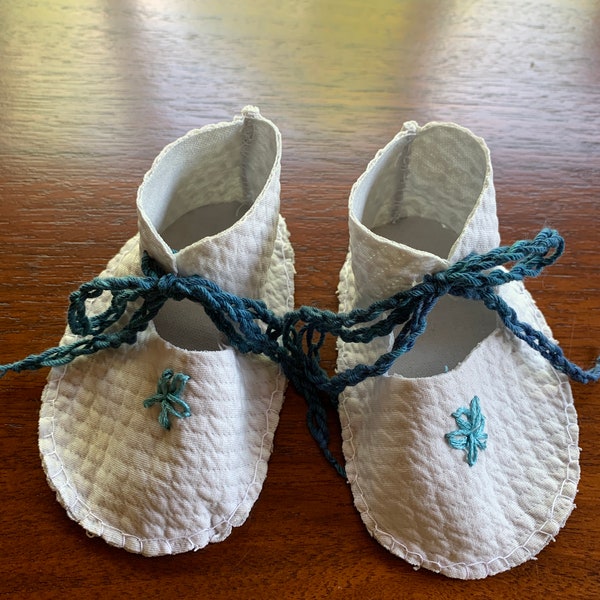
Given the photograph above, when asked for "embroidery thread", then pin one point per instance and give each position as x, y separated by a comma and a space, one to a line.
168, 394
470, 435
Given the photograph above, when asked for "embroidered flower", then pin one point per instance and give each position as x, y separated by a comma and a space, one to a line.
168, 394
470, 435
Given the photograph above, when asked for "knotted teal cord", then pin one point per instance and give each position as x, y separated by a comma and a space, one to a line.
470, 435
295, 339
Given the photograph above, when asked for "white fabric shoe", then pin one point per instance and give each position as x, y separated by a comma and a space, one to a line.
465, 505
209, 206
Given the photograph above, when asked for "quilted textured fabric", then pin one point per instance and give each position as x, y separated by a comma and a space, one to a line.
209, 205
424, 202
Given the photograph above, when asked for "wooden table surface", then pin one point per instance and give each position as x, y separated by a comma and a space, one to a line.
91, 90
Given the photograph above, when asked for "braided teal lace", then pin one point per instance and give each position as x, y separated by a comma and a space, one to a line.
295, 339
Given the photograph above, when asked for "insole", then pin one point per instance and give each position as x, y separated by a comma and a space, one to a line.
202, 222
420, 233
184, 323
455, 325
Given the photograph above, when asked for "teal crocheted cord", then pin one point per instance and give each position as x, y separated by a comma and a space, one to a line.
295, 339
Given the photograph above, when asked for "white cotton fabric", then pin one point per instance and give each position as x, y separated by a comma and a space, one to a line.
116, 471
416, 494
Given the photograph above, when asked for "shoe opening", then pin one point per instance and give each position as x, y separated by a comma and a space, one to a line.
200, 187
420, 194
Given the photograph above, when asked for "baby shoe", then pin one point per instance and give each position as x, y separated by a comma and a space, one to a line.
463, 458
161, 446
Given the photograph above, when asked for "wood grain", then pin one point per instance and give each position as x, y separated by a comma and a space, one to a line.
90, 91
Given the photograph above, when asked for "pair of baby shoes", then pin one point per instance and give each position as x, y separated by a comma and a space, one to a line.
462, 457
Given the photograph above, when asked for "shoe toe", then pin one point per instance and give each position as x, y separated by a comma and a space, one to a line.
417, 494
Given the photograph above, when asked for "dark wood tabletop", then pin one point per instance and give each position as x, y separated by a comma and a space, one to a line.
90, 91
